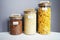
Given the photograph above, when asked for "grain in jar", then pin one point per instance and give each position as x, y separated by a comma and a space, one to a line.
15, 24
30, 21
44, 17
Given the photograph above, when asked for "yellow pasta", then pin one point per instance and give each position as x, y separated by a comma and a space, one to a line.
44, 17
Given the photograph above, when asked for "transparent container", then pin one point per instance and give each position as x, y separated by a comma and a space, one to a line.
15, 24
44, 17
30, 21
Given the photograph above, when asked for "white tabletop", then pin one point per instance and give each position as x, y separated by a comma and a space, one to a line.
7, 36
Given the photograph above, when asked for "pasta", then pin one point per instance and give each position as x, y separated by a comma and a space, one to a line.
44, 20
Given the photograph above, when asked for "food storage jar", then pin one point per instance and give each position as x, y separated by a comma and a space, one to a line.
30, 21
15, 24
44, 17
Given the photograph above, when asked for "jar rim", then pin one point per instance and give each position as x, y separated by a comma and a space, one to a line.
44, 4
15, 16
29, 10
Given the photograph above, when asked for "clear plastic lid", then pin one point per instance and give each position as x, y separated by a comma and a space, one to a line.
15, 16
44, 3
29, 10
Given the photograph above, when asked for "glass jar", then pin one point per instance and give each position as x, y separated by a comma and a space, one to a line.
30, 21
44, 17
15, 24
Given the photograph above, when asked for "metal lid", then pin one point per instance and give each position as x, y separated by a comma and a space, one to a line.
44, 3
29, 10
15, 16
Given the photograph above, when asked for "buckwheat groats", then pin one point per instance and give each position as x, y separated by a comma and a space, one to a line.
15, 24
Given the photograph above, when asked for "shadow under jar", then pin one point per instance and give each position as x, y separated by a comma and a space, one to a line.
15, 24
44, 17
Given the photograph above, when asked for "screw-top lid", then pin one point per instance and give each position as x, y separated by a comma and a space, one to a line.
29, 10
15, 16
44, 3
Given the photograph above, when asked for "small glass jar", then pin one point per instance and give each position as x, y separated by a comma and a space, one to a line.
15, 24
30, 21
44, 17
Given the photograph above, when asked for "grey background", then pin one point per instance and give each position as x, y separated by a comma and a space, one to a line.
18, 6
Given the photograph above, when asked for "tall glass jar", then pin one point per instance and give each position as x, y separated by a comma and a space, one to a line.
44, 17
15, 24
30, 21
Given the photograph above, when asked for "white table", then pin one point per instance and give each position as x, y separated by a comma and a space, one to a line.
7, 36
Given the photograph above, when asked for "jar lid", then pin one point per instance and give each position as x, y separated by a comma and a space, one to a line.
15, 16
44, 3
29, 10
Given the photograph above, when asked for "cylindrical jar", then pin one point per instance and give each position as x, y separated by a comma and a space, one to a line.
30, 21
15, 24
44, 17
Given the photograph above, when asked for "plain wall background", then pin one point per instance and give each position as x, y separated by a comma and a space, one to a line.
9, 6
